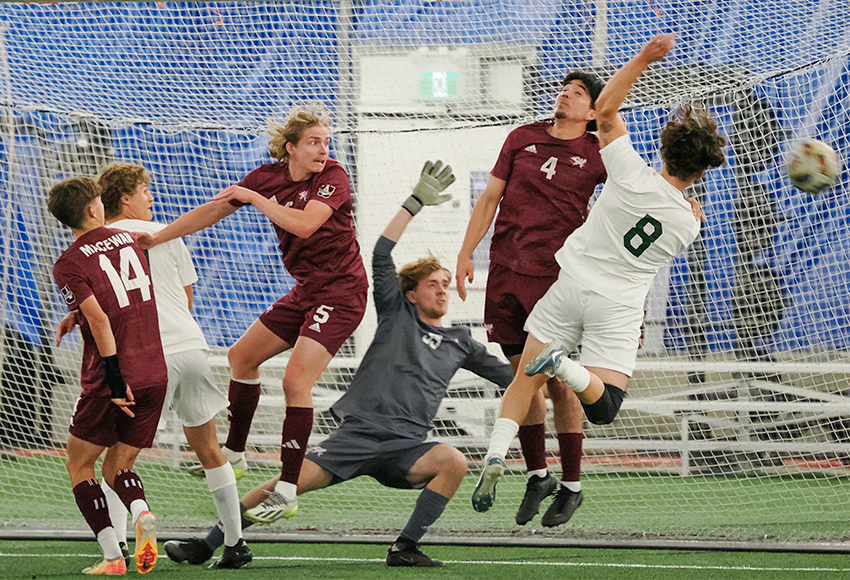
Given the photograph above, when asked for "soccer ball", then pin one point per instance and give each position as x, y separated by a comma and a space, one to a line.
812, 165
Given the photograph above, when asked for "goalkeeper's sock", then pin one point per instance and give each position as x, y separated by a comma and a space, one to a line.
429, 506
222, 484
504, 431
215, 537
244, 396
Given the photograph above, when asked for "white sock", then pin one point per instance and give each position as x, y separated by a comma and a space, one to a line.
222, 484
233, 456
539, 472
573, 486
286, 489
504, 431
117, 512
137, 508
573, 375
109, 543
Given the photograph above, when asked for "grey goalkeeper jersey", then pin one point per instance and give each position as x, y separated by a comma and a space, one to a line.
406, 371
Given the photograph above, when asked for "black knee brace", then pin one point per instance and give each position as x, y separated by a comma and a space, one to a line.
603, 411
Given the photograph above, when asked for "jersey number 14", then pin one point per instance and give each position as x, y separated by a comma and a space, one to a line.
132, 276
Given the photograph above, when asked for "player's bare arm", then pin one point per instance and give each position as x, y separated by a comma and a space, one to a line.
66, 325
190, 222
104, 338
479, 222
611, 125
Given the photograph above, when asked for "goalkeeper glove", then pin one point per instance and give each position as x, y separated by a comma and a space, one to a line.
114, 378
434, 179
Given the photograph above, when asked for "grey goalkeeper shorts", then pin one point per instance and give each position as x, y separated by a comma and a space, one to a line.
356, 449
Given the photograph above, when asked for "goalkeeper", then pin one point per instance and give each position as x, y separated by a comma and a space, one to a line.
389, 407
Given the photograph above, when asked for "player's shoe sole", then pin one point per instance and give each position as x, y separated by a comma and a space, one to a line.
547, 362
146, 550
275, 507
484, 495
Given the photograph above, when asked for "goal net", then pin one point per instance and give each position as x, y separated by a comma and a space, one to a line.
736, 427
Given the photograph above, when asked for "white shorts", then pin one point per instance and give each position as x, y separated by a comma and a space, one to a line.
192, 394
569, 312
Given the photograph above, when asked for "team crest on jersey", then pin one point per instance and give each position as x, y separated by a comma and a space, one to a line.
578, 161
302, 196
68, 295
531, 148
432, 340
326, 191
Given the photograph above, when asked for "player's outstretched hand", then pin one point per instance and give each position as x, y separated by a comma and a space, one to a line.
144, 240
657, 48
434, 179
126, 402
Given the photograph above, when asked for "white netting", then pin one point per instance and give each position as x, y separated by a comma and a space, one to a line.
737, 424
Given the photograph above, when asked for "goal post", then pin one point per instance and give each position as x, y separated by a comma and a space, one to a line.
736, 427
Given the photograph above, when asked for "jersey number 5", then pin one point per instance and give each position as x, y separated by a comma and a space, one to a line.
132, 276
637, 240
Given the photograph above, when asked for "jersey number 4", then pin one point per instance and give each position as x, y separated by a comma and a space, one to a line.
132, 276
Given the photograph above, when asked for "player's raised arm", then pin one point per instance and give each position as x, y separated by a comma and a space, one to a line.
611, 125
190, 222
433, 180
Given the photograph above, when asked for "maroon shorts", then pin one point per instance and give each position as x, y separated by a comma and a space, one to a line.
327, 320
509, 299
99, 421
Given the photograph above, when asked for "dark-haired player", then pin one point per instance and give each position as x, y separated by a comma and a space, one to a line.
640, 222
105, 277
541, 184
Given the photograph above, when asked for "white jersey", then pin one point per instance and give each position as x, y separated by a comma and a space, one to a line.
638, 224
171, 271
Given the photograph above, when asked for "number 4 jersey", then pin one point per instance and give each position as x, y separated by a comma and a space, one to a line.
638, 224
107, 264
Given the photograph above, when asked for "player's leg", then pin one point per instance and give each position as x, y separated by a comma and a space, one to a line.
569, 417
253, 348
81, 458
442, 469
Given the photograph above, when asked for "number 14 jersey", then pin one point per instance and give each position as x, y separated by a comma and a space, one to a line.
638, 224
108, 264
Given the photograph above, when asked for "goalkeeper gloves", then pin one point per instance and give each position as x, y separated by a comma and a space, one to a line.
434, 179
114, 378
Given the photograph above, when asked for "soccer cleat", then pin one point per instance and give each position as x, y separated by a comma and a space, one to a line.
194, 550
146, 551
485, 492
536, 490
547, 362
563, 507
234, 557
275, 506
237, 461
125, 552
409, 554
116, 567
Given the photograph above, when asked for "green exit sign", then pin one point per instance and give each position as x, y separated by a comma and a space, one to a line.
438, 85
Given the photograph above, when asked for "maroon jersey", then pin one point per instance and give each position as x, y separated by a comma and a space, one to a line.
549, 183
108, 264
329, 260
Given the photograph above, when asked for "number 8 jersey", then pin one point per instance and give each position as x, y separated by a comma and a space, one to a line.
107, 264
638, 224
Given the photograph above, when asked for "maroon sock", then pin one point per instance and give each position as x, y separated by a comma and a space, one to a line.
532, 440
129, 487
296, 432
244, 399
92, 504
570, 446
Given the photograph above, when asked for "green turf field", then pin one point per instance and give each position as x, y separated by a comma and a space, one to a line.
63, 559
616, 508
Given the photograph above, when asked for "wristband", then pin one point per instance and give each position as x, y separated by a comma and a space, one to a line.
114, 378
412, 205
